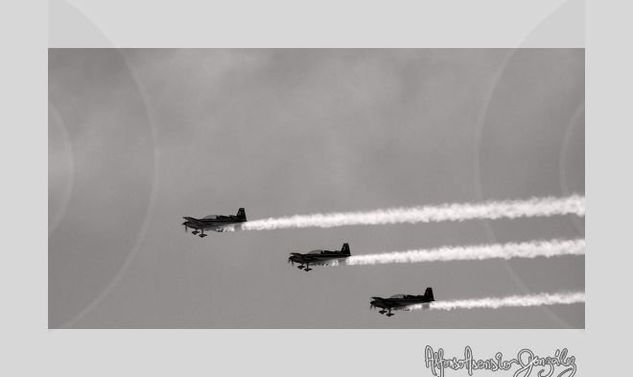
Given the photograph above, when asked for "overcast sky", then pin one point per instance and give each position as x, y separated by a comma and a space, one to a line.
139, 138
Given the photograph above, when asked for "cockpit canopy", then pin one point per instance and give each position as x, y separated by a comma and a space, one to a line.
398, 296
210, 217
315, 252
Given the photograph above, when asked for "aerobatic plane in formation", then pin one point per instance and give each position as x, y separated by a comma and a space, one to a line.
319, 257
217, 223
401, 302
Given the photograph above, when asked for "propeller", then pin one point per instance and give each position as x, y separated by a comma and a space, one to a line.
371, 303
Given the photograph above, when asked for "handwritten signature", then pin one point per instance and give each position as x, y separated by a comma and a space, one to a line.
526, 362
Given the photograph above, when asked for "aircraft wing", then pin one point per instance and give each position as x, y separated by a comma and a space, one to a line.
305, 258
386, 302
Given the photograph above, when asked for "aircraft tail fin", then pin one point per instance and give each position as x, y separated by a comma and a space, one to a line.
429, 294
241, 213
345, 249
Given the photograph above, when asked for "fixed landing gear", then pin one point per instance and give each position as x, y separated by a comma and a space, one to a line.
389, 314
195, 232
202, 235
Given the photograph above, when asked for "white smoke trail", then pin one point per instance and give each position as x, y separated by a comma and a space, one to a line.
476, 252
507, 302
548, 206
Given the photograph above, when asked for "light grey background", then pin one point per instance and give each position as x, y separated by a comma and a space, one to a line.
139, 138
30, 348
328, 23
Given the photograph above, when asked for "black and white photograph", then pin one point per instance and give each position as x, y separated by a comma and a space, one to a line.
316, 188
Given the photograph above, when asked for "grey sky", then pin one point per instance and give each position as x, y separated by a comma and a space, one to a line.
139, 138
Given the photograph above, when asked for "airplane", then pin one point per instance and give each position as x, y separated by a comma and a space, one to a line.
401, 302
218, 223
319, 257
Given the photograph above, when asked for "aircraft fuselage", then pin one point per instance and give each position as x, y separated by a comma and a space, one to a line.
319, 257
218, 223
401, 302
